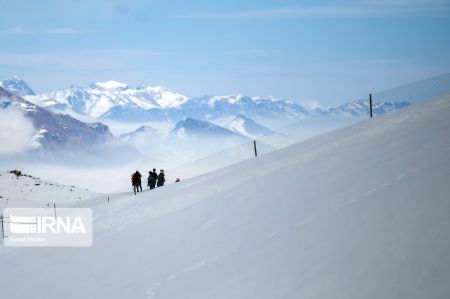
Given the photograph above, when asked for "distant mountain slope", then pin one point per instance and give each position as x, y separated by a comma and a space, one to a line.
247, 127
61, 136
361, 108
17, 86
146, 131
191, 127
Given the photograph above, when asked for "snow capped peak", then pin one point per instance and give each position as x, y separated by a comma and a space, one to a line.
17, 86
270, 98
110, 85
196, 127
246, 127
230, 99
154, 89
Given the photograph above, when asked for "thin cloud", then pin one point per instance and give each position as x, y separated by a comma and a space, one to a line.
95, 59
19, 30
367, 8
65, 30
14, 30
253, 52
16, 132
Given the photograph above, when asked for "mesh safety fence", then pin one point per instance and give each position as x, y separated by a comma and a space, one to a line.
411, 94
307, 127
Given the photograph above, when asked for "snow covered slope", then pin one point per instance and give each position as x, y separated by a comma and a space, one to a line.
362, 212
247, 127
30, 191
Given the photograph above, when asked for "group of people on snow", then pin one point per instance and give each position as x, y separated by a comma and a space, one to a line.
154, 179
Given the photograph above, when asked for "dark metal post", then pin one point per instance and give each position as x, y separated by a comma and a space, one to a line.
108, 198
370, 100
3, 231
254, 147
54, 207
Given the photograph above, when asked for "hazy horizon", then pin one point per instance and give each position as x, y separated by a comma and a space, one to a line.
326, 51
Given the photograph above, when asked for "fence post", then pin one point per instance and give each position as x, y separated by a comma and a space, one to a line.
54, 207
3, 231
108, 198
370, 100
254, 147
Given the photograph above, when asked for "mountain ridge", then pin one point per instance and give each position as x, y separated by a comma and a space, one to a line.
122, 102
61, 136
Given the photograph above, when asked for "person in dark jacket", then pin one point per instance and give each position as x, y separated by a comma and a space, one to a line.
161, 178
134, 182
152, 177
138, 183
149, 179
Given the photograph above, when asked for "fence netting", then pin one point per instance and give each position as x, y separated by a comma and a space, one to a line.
307, 127
412, 93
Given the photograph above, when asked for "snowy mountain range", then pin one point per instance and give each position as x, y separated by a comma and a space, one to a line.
195, 126
62, 136
119, 101
361, 107
189, 139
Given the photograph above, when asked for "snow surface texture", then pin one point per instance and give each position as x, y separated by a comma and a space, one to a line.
31, 191
361, 212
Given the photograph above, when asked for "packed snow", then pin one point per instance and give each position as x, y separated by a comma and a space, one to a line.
30, 191
361, 212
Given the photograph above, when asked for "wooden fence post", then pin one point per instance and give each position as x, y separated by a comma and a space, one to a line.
254, 147
370, 100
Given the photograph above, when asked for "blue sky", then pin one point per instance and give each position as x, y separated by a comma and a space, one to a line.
327, 51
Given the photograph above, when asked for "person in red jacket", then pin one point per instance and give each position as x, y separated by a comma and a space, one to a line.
136, 181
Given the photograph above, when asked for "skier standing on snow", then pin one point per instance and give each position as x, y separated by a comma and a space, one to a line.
161, 178
152, 179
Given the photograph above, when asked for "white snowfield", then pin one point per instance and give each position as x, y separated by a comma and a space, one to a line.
361, 212
31, 191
